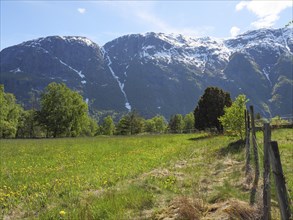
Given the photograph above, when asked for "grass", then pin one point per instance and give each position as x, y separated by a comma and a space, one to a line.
284, 137
122, 177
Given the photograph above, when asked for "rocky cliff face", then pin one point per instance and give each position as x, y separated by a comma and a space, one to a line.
157, 73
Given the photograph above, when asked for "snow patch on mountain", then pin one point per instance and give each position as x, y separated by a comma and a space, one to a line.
267, 76
186, 50
71, 39
121, 85
81, 40
78, 72
273, 39
68, 39
285, 38
17, 70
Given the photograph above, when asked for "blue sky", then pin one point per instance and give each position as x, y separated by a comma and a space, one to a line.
102, 21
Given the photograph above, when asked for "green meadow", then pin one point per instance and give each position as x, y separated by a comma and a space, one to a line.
134, 177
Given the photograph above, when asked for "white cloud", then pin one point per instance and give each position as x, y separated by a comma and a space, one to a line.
265, 22
266, 11
81, 10
234, 31
240, 5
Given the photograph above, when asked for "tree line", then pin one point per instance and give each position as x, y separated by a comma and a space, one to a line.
62, 112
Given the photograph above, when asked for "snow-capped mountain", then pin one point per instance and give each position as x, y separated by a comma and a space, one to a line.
157, 73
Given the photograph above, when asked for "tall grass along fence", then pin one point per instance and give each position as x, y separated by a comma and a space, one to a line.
271, 162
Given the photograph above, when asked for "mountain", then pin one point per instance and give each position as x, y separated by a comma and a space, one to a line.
157, 73
76, 61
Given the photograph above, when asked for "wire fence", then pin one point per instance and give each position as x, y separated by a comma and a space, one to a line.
270, 156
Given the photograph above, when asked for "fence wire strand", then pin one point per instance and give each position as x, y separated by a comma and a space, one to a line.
260, 152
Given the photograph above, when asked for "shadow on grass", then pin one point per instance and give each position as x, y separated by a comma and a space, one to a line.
201, 137
232, 148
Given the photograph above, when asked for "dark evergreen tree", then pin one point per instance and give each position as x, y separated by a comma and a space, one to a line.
123, 126
130, 124
210, 107
136, 123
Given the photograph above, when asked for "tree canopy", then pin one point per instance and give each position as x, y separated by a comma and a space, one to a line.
233, 120
63, 111
27, 125
108, 126
210, 107
130, 124
189, 122
9, 114
176, 123
156, 124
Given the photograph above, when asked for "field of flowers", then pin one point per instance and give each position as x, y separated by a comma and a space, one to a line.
107, 177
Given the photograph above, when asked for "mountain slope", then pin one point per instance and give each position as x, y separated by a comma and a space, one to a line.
157, 73
172, 70
76, 61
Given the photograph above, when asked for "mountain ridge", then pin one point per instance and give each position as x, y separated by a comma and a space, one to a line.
157, 73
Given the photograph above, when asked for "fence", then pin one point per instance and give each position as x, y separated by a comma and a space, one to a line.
271, 160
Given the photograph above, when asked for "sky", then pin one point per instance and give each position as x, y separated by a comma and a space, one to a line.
103, 21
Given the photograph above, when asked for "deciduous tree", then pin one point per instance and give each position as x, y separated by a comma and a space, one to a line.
108, 126
156, 124
27, 126
233, 120
160, 124
9, 114
189, 122
63, 111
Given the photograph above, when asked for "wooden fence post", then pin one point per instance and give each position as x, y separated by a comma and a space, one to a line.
266, 179
247, 142
245, 121
256, 159
282, 193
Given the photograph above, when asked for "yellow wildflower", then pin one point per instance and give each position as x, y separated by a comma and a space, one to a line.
62, 212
